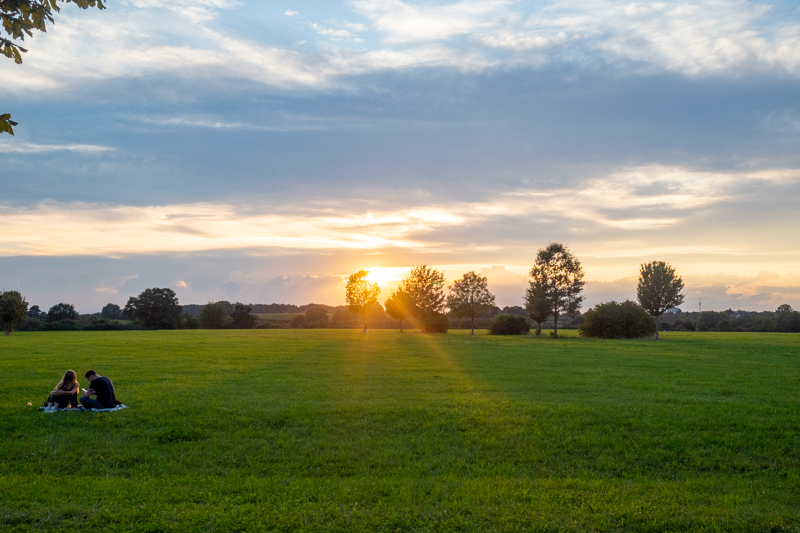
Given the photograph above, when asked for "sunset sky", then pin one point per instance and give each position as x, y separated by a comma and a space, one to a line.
258, 151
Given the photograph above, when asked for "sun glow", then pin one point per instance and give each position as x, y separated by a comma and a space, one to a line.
386, 277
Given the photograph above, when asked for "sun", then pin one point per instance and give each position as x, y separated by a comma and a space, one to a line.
386, 276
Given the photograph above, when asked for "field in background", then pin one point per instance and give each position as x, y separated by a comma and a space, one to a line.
261, 430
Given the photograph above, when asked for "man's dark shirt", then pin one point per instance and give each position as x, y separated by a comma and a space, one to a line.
104, 390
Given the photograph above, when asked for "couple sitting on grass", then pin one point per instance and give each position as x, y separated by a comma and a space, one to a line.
66, 393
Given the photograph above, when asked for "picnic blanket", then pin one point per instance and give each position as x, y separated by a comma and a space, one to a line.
82, 408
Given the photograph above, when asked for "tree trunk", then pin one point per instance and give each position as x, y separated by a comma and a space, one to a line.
364, 318
538, 329
472, 324
657, 327
555, 325
401, 325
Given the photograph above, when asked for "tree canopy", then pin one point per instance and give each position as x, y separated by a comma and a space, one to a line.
22, 17
13, 308
470, 297
360, 293
214, 316
399, 305
557, 278
154, 308
425, 286
537, 305
62, 311
659, 289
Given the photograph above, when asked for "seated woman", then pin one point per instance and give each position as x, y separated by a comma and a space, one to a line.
65, 393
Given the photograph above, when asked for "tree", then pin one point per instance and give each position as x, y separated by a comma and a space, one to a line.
213, 316
242, 316
537, 306
399, 306
35, 312
19, 18
111, 312
317, 315
469, 296
62, 311
508, 324
360, 293
425, 286
154, 308
659, 289
557, 277
13, 308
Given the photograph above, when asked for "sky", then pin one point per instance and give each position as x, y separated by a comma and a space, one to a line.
260, 151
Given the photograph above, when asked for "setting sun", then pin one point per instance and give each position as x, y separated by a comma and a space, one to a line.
386, 276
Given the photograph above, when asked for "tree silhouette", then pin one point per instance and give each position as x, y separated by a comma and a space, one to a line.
537, 305
469, 296
659, 289
360, 293
557, 277
154, 308
399, 306
425, 286
13, 308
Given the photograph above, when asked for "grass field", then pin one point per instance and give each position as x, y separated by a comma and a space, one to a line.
332, 430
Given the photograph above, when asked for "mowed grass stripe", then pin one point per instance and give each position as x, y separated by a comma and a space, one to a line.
336, 430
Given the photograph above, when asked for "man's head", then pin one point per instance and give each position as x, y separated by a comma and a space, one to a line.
91, 375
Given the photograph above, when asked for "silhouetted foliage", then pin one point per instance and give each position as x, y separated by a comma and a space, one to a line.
111, 312
35, 312
425, 286
470, 297
436, 323
612, 320
154, 308
537, 304
242, 316
20, 18
13, 309
508, 324
659, 289
214, 316
317, 316
360, 293
62, 311
298, 322
399, 306
557, 280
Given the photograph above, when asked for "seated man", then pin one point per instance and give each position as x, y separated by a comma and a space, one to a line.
101, 387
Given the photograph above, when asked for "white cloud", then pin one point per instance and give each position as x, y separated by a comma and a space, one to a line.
13, 146
290, 13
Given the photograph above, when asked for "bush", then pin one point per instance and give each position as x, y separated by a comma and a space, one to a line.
437, 323
612, 320
298, 322
507, 324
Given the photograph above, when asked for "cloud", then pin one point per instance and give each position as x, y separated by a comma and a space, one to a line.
14, 147
185, 39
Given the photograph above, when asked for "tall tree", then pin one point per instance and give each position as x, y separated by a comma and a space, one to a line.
13, 308
469, 296
19, 18
659, 289
399, 306
537, 305
557, 276
425, 286
359, 293
154, 308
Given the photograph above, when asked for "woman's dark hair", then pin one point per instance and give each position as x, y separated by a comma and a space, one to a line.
90, 372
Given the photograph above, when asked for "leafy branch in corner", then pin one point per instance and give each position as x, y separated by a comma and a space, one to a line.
20, 18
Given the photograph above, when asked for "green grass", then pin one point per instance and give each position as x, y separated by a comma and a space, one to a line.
332, 430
